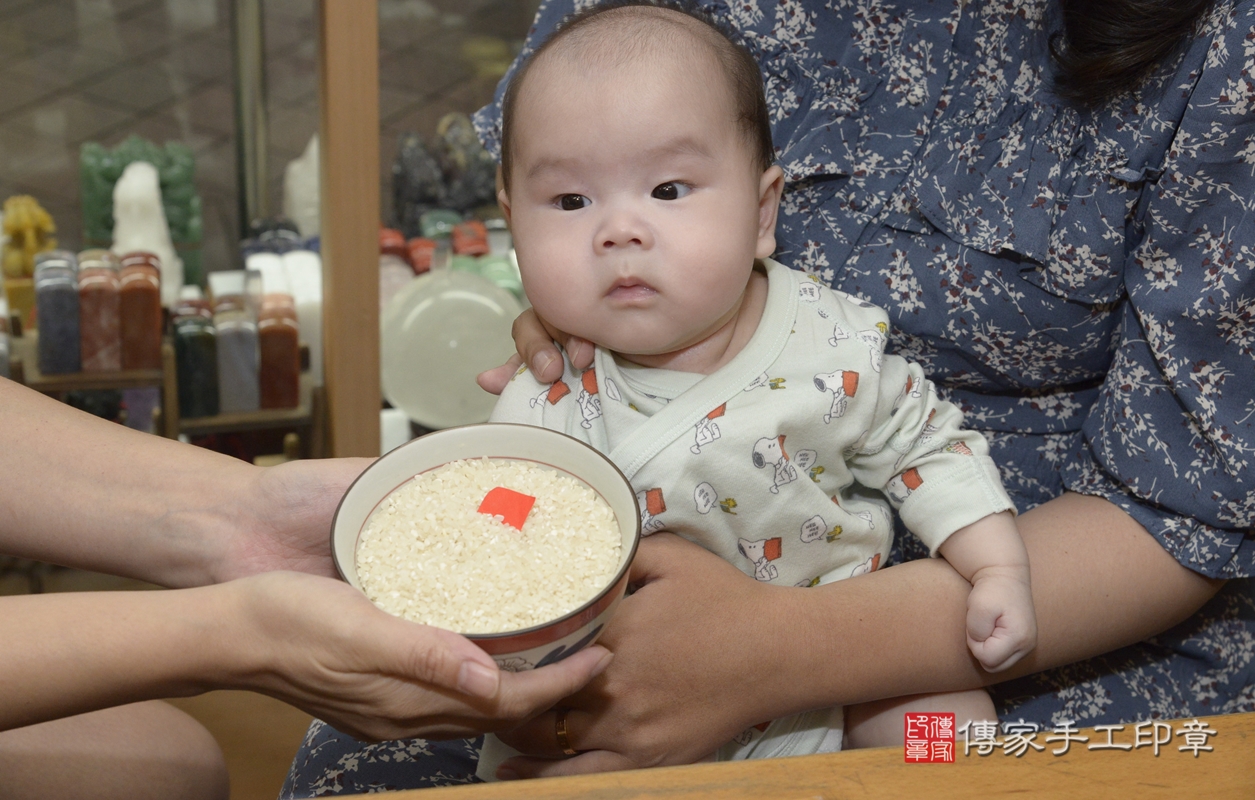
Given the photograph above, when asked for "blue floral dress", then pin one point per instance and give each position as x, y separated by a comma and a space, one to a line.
1080, 282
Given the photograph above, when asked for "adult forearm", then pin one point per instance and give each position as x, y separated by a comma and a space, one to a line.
1099, 581
70, 653
88, 493
889, 633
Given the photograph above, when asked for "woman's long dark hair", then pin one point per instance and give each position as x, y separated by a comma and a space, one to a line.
1108, 47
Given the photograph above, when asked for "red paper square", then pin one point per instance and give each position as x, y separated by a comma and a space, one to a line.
513, 507
929, 738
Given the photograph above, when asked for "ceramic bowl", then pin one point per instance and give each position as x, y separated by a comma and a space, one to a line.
527, 648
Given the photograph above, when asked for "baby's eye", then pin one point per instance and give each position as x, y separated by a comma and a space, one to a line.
572, 202
671, 190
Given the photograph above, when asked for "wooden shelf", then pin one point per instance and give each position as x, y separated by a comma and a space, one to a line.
27, 348
305, 417
245, 421
262, 419
169, 424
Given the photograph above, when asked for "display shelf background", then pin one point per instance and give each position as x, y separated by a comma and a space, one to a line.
99, 70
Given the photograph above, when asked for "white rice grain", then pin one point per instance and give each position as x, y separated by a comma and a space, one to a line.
428, 555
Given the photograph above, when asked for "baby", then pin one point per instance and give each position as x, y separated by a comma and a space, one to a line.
753, 409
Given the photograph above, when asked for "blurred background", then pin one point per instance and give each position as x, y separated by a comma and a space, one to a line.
75, 71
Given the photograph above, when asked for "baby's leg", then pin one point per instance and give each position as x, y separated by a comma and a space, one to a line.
880, 724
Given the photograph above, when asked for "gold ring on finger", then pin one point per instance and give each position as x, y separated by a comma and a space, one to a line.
564, 743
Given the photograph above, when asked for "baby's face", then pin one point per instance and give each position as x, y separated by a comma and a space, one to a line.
635, 203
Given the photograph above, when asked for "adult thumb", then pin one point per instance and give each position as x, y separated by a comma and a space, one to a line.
442, 658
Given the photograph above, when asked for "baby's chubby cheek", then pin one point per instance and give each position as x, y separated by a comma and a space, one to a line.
561, 302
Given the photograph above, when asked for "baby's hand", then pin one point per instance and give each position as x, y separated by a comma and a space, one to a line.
1001, 623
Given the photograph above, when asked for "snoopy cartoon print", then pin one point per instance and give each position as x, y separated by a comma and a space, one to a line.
590, 402
901, 486
551, 394
870, 565
770, 452
843, 384
760, 381
652, 506
911, 390
926, 436
612, 391
839, 334
749, 734
707, 430
705, 497
815, 529
761, 553
958, 448
875, 339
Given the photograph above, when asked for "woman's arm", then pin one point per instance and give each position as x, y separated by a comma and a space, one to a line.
702, 652
88, 493
1100, 582
83, 492
314, 642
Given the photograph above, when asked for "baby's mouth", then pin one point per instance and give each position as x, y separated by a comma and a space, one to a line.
631, 289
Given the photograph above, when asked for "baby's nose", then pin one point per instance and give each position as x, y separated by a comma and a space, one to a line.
622, 228
621, 239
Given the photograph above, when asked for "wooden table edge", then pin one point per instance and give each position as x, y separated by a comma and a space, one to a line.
1228, 771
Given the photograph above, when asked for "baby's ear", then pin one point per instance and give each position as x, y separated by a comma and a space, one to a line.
770, 187
503, 199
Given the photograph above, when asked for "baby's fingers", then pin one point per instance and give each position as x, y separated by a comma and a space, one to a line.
999, 633
983, 613
1001, 638
996, 653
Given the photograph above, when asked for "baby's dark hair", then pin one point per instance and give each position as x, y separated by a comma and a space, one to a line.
736, 61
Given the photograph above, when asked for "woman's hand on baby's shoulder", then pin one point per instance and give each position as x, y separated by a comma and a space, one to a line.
494, 380
534, 339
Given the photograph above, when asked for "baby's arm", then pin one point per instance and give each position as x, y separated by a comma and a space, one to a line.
947, 491
1001, 624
